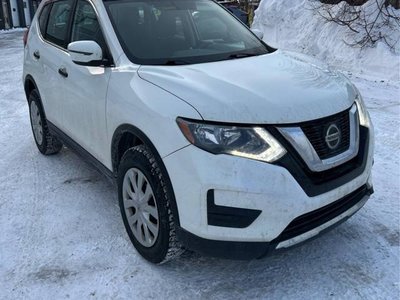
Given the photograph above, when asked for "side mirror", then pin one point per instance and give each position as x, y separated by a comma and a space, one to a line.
258, 33
85, 53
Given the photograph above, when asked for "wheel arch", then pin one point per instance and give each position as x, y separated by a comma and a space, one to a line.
29, 85
127, 136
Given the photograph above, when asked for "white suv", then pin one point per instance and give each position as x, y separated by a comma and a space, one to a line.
218, 143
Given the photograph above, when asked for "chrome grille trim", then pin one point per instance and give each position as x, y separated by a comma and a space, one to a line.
296, 137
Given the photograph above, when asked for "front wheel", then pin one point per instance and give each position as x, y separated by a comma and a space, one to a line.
144, 200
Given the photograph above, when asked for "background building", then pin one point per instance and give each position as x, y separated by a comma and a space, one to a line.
17, 13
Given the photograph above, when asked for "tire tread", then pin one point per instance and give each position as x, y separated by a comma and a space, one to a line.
50, 144
175, 249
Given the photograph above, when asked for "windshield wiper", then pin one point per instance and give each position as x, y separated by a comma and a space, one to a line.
176, 62
241, 55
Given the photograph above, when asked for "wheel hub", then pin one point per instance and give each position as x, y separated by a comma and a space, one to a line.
140, 207
36, 121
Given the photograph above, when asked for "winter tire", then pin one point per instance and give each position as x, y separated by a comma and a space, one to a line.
144, 200
45, 141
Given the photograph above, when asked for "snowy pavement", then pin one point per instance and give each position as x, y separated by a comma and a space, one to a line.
62, 235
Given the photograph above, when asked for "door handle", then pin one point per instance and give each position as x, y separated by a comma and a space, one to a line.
36, 54
63, 72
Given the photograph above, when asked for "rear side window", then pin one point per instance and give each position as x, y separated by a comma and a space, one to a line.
44, 15
57, 26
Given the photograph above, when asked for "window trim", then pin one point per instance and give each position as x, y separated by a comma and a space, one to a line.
50, 5
44, 38
64, 44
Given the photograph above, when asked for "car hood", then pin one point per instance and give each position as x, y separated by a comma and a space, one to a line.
277, 88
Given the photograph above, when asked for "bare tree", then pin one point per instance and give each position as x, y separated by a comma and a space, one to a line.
368, 21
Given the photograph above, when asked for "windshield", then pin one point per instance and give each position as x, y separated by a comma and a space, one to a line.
164, 32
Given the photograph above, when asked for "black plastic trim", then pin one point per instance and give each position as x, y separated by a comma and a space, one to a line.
71, 144
80, 52
224, 249
225, 216
29, 79
94, 63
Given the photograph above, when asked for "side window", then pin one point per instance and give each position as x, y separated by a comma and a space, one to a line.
86, 26
57, 26
44, 15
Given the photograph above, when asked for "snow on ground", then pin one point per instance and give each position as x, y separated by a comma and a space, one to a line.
293, 25
62, 235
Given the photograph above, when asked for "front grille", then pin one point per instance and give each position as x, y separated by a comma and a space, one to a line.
322, 215
316, 132
316, 183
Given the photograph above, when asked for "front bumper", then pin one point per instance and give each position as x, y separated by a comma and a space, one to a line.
277, 195
302, 229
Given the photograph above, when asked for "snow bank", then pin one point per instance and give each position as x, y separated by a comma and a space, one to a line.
12, 30
293, 25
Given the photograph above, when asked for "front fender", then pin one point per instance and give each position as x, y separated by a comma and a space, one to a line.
148, 108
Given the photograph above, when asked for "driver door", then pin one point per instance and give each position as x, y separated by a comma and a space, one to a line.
86, 87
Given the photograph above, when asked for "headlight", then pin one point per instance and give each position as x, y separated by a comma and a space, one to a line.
250, 142
362, 111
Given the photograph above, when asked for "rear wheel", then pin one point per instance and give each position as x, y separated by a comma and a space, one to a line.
45, 141
144, 200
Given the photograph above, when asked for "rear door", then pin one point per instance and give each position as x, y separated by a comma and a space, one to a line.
86, 87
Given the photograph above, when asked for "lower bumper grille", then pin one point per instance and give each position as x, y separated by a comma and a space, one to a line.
322, 215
